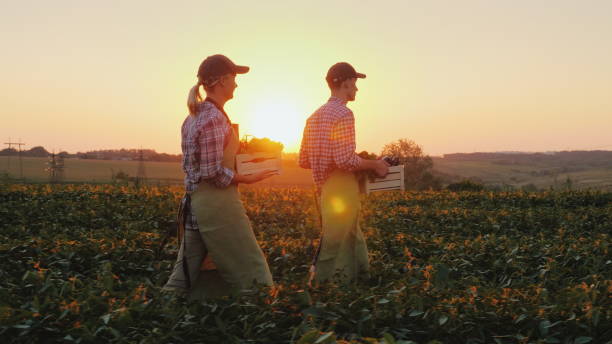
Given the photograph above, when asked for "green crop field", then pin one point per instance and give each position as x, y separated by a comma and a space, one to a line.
82, 264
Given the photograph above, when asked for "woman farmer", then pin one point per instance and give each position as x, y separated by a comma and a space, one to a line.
219, 254
328, 148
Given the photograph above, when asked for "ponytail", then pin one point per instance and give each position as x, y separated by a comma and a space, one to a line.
194, 99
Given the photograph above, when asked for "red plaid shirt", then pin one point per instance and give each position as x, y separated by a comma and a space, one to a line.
328, 142
203, 138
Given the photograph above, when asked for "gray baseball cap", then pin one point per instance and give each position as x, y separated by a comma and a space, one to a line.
342, 71
216, 66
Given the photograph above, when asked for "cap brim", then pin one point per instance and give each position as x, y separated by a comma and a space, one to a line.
241, 69
360, 76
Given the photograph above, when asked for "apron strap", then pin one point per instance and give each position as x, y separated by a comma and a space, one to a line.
184, 211
312, 270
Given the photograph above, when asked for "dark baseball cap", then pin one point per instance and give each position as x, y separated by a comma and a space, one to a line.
218, 65
342, 71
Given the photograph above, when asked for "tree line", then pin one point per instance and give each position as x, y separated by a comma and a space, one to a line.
103, 154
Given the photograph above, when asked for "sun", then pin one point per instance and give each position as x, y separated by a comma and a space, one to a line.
277, 119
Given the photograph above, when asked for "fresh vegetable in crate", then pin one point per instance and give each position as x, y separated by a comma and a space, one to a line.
257, 155
257, 145
363, 177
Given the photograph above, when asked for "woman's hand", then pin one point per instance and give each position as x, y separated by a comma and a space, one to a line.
253, 178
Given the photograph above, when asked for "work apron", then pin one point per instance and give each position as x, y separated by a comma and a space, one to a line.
343, 253
222, 257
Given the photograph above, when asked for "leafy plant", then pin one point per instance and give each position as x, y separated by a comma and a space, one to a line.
81, 264
257, 145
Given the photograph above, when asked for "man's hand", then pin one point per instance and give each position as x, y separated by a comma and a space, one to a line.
253, 178
381, 169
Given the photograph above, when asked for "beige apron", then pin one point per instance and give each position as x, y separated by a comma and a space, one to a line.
223, 258
343, 248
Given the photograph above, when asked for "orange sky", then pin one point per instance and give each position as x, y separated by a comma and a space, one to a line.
453, 76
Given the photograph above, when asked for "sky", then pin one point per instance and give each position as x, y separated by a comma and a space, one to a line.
454, 76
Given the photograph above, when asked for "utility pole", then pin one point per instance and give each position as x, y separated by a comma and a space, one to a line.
56, 167
10, 145
8, 156
20, 160
141, 175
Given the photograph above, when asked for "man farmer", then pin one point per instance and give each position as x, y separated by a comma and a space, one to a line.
328, 148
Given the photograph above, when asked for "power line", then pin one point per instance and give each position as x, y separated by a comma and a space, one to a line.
10, 146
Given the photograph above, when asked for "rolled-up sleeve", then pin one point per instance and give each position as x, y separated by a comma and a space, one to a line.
343, 147
212, 142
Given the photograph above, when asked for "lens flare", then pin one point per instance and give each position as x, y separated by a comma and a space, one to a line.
338, 205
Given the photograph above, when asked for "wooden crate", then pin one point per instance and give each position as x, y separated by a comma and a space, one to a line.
256, 162
393, 181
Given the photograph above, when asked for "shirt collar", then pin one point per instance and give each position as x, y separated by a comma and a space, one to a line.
218, 107
336, 100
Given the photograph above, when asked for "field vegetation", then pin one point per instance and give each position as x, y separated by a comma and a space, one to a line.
83, 264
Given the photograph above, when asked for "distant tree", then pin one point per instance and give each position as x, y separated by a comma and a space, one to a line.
418, 166
37, 151
8, 151
368, 156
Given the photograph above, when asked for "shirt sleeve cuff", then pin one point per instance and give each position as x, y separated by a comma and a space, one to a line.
304, 163
224, 178
355, 162
351, 164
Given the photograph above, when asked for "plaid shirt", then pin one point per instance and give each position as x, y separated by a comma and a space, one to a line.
203, 138
328, 142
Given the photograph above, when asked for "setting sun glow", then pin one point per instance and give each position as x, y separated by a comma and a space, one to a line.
278, 119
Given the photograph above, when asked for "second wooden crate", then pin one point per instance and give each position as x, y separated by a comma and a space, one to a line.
393, 181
